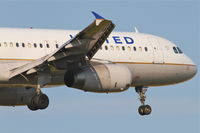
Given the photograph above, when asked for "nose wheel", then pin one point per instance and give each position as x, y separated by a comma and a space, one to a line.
143, 109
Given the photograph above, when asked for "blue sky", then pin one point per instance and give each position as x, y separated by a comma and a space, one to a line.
176, 108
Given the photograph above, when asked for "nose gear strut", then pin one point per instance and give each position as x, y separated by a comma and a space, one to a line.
143, 109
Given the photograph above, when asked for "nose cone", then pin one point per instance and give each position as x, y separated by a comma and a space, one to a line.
193, 70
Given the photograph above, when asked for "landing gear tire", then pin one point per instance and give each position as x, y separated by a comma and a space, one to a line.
31, 106
40, 101
144, 110
147, 109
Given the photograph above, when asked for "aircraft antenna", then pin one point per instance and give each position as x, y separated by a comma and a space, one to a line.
136, 30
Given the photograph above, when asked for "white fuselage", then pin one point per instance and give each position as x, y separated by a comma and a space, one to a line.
152, 60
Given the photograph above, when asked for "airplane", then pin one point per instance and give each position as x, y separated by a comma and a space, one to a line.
94, 59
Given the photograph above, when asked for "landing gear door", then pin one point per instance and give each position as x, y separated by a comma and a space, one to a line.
157, 51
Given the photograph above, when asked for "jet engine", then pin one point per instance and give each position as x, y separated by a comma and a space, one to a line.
102, 78
15, 96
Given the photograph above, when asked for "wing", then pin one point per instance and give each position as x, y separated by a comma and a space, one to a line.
85, 44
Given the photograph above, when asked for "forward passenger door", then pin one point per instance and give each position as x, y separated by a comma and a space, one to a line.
157, 51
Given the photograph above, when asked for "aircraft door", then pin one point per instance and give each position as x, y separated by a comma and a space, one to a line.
157, 51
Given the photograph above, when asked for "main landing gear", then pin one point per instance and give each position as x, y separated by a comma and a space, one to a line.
143, 109
39, 101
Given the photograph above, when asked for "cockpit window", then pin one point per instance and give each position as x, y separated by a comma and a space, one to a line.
179, 50
175, 50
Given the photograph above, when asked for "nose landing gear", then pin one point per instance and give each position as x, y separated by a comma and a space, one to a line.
143, 109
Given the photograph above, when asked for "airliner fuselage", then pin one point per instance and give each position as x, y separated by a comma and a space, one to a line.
152, 60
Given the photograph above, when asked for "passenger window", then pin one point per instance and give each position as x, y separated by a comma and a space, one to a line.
29, 45
123, 48
57, 46
118, 48
17, 44
146, 49
35, 45
111, 47
11, 44
140, 48
129, 48
5, 44
47, 45
179, 50
106, 47
41, 46
175, 50
23, 45
134, 48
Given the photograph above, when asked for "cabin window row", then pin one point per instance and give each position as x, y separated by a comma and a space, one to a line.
29, 45
123, 48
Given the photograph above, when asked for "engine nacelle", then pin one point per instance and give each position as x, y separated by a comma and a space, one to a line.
101, 78
15, 96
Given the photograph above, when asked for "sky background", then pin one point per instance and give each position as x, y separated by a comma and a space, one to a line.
176, 108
